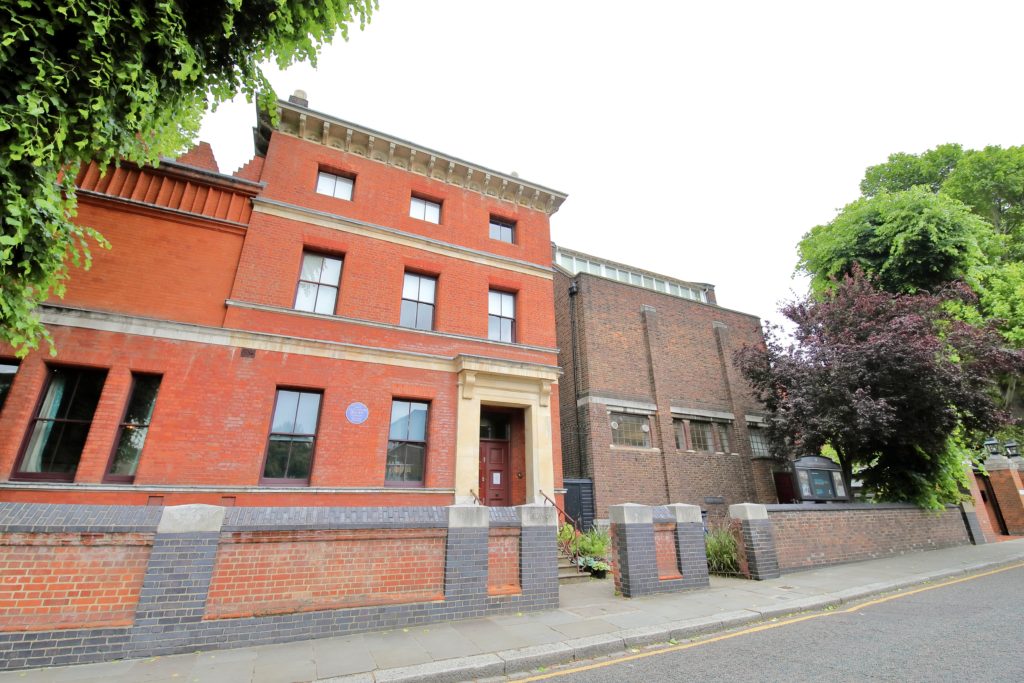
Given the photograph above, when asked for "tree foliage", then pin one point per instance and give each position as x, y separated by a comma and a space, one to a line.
891, 382
903, 171
909, 239
108, 81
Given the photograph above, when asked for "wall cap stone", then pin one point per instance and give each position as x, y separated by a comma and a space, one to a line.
748, 511
630, 513
685, 514
537, 514
998, 462
183, 519
468, 517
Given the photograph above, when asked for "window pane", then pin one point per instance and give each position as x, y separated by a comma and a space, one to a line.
623, 276
300, 459
399, 421
567, 263
404, 462
418, 422
305, 297
424, 317
411, 287
326, 298
129, 448
312, 266
628, 430
325, 183
331, 273
416, 208
306, 416
277, 457
343, 188
677, 426
594, 268
284, 414
407, 317
723, 437
506, 330
494, 303
508, 306
7, 373
493, 327
432, 212
635, 279
143, 399
700, 434
427, 289
82, 403
495, 231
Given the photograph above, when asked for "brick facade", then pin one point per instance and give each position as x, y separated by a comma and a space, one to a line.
200, 288
626, 348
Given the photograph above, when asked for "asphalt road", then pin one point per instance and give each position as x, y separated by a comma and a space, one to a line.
968, 631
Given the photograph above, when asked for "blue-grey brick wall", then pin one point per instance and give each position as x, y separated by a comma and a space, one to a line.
759, 543
176, 585
638, 562
973, 528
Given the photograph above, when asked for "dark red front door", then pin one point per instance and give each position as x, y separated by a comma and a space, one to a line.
494, 473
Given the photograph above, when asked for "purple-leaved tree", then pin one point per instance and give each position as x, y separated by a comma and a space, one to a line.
891, 382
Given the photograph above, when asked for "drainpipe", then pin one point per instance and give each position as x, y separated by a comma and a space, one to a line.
581, 443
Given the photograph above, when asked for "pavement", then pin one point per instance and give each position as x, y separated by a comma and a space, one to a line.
590, 622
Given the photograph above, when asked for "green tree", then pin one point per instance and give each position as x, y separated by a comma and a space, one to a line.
108, 81
908, 240
991, 182
903, 171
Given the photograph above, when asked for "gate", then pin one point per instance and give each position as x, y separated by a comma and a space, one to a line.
579, 501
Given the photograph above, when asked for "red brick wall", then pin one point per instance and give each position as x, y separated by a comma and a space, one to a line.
381, 196
213, 412
503, 561
1007, 486
70, 580
278, 572
811, 538
158, 266
665, 551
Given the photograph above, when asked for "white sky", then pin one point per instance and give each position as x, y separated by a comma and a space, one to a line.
699, 141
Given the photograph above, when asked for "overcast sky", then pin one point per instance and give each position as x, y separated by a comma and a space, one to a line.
698, 141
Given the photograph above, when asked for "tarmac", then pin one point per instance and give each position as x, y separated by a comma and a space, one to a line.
590, 622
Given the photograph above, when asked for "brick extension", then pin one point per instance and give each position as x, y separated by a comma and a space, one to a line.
172, 611
624, 347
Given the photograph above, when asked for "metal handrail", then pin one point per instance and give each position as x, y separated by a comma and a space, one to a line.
476, 498
564, 513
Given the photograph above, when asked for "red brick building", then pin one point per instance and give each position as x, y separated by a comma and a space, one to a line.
653, 409
350, 319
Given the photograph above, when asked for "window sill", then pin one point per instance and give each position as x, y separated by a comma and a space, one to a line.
635, 449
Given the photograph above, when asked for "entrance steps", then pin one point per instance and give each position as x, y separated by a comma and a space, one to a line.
567, 571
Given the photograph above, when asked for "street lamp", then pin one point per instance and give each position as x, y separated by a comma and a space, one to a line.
1011, 449
992, 446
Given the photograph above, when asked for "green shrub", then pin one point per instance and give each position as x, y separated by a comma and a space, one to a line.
594, 543
723, 555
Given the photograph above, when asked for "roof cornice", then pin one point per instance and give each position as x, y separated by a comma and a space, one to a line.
307, 124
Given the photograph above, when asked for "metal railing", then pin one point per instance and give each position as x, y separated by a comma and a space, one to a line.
567, 545
476, 498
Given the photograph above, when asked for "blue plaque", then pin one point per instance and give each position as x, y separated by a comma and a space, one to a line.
357, 413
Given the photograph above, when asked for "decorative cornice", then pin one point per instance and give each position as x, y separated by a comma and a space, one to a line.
324, 219
307, 124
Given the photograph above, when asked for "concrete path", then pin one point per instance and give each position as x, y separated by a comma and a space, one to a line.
590, 622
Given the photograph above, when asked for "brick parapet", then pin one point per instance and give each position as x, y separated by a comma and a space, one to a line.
635, 553
172, 615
